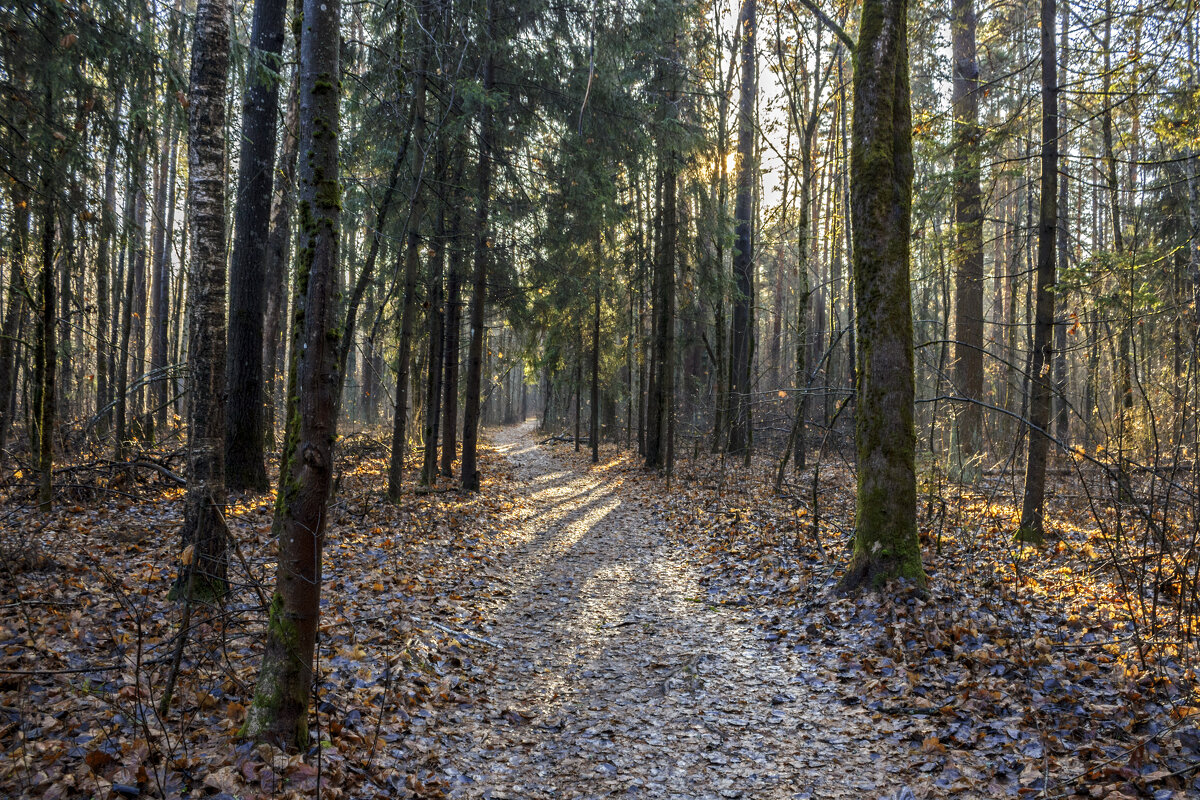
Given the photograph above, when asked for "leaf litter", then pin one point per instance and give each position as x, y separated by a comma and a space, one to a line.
588, 631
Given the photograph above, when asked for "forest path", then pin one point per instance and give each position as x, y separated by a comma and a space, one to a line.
615, 680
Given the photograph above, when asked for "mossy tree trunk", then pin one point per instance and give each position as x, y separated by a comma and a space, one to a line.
1033, 500
968, 249
881, 165
279, 712
245, 441
203, 525
742, 333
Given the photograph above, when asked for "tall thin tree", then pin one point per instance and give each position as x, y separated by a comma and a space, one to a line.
469, 470
244, 438
1032, 527
742, 333
203, 527
968, 247
279, 712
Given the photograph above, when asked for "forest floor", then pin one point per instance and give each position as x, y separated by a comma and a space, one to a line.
618, 677
587, 631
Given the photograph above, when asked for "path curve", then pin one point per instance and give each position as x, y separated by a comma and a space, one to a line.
615, 681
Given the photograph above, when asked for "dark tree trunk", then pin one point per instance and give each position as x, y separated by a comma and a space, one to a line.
1062, 416
453, 328
138, 271
881, 166
204, 575
436, 329
595, 429
968, 250
471, 406
279, 712
1032, 503
46, 359
121, 382
412, 263
15, 306
245, 464
366, 276
164, 220
742, 332
275, 259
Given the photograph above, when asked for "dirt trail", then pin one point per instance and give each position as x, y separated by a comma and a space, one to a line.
615, 681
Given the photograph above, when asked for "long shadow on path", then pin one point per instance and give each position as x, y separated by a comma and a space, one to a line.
617, 681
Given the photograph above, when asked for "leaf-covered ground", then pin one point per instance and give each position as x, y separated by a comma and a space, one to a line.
591, 631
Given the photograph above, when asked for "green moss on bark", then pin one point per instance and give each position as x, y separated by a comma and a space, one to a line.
270, 698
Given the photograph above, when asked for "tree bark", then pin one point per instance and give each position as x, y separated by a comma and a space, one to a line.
469, 470
966, 462
412, 262
164, 218
595, 420
279, 712
436, 329
204, 576
46, 359
742, 332
275, 259
881, 165
245, 442
1062, 416
16, 306
453, 329
1032, 504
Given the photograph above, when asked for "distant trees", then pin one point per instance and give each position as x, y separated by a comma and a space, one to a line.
598, 210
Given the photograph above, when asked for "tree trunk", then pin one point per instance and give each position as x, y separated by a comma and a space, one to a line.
245, 442
578, 381
436, 327
453, 329
742, 332
1062, 417
966, 462
15, 306
276, 256
881, 165
595, 429
412, 263
470, 434
164, 219
138, 271
204, 575
1032, 504
367, 275
46, 363
279, 712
